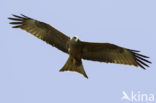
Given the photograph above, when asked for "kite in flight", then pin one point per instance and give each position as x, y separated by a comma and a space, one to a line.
77, 49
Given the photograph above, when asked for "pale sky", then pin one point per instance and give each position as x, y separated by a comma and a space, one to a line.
29, 67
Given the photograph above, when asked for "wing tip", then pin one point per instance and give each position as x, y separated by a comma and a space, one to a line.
18, 20
20, 17
141, 60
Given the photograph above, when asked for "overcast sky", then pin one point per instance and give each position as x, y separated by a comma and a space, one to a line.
29, 67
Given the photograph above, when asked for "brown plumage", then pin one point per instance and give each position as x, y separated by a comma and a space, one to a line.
42, 31
110, 53
77, 50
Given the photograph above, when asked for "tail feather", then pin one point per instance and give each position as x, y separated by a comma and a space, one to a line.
74, 65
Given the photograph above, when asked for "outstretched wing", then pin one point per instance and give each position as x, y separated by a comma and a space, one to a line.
42, 31
109, 53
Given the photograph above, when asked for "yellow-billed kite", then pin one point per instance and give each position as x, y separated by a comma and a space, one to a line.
77, 49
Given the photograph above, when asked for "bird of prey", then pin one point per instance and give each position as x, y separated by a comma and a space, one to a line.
77, 49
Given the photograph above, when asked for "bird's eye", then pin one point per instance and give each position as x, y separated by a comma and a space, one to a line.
74, 37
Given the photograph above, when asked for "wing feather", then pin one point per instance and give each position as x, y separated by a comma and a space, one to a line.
42, 31
110, 53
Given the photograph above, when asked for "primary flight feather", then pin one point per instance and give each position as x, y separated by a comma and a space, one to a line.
77, 49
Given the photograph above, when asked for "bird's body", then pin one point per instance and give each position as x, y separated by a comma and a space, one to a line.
77, 49
74, 62
74, 48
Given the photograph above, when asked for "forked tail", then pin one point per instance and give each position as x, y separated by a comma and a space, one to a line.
74, 65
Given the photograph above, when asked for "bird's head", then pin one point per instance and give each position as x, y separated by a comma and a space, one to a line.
74, 39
